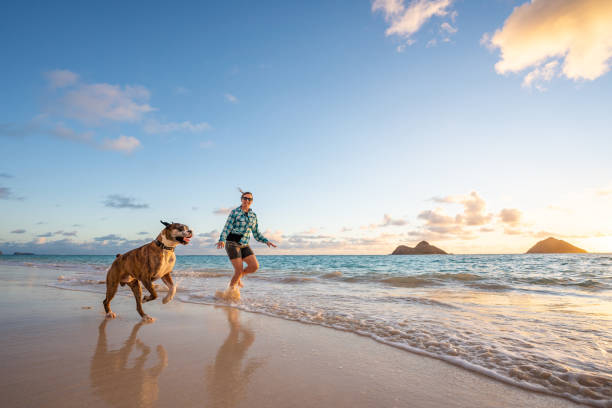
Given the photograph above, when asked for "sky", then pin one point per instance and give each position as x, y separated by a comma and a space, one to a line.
480, 126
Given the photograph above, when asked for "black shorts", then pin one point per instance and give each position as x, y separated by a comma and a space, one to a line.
235, 250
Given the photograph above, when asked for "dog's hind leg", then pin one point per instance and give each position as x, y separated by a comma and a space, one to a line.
167, 279
111, 289
153, 294
137, 290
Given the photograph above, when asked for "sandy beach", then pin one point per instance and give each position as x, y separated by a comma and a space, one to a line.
59, 350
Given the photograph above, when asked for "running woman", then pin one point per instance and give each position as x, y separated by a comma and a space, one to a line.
235, 238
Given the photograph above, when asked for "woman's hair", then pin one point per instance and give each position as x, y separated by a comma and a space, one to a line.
244, 192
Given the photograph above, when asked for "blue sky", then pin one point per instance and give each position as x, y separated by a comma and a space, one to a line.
480, 126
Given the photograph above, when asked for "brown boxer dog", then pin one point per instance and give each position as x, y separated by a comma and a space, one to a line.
145, 264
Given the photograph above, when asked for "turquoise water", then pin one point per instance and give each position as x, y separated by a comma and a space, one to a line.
543, 322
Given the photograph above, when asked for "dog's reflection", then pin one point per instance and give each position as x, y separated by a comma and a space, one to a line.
121, 382
227, 379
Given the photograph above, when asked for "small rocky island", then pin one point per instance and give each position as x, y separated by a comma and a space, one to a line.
423, 248
555, 246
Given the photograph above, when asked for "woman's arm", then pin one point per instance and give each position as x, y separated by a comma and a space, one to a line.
229, 224
258, 235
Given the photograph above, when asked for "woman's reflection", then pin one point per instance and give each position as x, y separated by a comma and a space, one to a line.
226, 379
122, 385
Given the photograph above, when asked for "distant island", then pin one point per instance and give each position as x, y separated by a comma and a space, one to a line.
23, 253
423, 248
555, 246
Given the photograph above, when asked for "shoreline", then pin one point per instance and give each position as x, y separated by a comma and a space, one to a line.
59, 350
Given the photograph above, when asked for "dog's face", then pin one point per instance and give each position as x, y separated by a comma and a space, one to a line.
177, 232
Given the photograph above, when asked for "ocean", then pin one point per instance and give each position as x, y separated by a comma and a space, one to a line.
541, 322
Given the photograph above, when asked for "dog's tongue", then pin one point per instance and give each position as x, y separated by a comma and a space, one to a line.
186, 239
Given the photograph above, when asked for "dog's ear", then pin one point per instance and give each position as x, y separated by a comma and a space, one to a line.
167, 224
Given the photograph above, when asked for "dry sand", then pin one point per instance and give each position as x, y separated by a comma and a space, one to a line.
57, 350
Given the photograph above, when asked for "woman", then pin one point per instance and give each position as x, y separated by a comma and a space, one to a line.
235, 238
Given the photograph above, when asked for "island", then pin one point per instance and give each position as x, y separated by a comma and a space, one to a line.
23, 253
555, 246
422, 248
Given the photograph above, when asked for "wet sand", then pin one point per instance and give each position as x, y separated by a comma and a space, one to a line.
58, 350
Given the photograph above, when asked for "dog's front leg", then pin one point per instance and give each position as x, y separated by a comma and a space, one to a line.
167, 279
149, 286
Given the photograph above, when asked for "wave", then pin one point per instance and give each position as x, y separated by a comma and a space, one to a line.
466, 350
202, 273
332, 275
410, 282
489, 286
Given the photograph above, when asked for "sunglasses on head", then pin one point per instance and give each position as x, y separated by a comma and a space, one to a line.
247, 198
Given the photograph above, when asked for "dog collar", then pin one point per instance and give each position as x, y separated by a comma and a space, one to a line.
162, 246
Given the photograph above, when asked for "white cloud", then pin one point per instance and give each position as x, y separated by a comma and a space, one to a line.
231, 98
61, 78
222, 211
406, 21
207, 144
577, 34
96, 103
388, 221
154, 126
124, 144
540, 74
510, 216
474, 208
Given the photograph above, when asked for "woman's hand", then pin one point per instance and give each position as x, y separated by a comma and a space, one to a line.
220, 245
270, 244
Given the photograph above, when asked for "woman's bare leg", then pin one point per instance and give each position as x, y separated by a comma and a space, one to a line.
252, 265
238, 270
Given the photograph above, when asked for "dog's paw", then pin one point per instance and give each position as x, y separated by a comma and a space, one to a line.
167, 299
111, 315
148, 319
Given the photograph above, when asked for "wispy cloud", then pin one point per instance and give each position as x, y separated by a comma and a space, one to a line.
110, 237
20, 129
64, 132
123, 144
574, 34
95, 103
181, 90
7, 194
230, 98
6, 175
61, 78
18, 231
405, 21
222, 211
154, 127
119, 201
207, 144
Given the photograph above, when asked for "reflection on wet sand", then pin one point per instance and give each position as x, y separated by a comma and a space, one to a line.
120, 384
226, 379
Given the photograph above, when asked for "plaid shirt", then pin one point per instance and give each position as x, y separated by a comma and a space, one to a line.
240, 223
